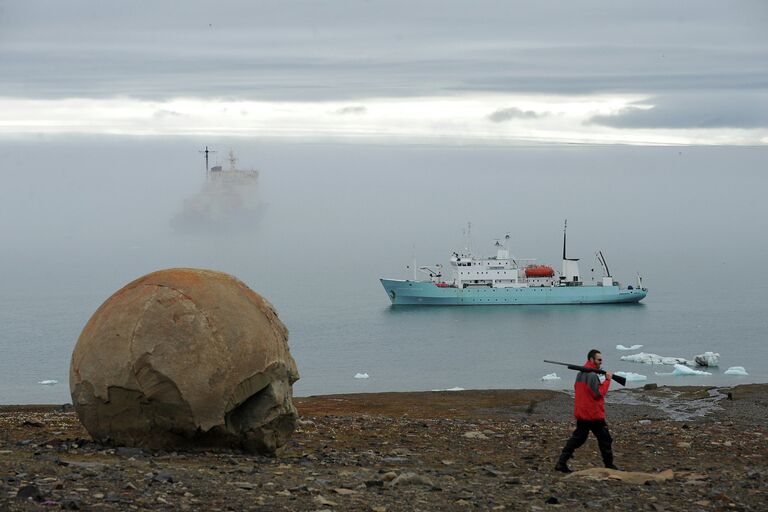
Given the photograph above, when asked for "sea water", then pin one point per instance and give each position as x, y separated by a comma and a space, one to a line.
81, 217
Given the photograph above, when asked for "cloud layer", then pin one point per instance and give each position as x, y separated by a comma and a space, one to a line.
722, 110
358, 54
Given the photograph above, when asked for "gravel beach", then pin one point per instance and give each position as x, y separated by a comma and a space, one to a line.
682, 448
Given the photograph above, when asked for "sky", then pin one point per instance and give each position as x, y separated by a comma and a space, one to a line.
653, 72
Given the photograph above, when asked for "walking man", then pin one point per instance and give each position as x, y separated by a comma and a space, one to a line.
589, 409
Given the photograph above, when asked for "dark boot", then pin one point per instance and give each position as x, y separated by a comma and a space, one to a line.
562, 464
608, 460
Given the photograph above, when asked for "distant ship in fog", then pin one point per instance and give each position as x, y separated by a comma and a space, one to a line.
227, 201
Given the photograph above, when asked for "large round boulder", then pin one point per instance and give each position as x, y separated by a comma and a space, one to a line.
184, 358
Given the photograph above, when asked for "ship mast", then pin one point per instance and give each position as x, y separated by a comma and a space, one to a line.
207, 168
565, 228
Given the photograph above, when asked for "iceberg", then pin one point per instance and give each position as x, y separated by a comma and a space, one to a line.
361, 375
645, 358
682, 370
633, 347
550, 376
48, 382
736, 370
631, 376
707, 359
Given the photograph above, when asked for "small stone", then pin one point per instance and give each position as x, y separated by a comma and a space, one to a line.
378, 508
475, 435
323, 501
163, 477
389, 476
650, 385
29, 491
98, 496
245, 485
344, 492
552, 501
70, 504
411, 479
644, 422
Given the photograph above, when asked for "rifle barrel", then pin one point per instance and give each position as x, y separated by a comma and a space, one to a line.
618, 378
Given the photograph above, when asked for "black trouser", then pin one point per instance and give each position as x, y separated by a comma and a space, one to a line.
583, 427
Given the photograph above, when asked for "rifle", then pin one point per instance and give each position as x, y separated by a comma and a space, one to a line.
618, 378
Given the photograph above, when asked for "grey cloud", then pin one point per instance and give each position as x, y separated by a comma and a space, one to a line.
352, 110
162, 113
328, 50
708, 110
506, 114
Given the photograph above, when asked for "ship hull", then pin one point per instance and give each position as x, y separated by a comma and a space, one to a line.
403, 292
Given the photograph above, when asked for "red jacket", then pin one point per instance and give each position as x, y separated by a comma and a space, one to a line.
590, 395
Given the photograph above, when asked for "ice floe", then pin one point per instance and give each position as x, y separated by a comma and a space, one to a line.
48, 382
361, 375
550, 376
682, 370
633, 347
736, 370
646, 358
631, 376
707, 359
450, 389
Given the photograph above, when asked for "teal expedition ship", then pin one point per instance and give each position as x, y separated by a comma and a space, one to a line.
502, 279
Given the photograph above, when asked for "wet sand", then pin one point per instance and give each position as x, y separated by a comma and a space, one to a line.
467, 450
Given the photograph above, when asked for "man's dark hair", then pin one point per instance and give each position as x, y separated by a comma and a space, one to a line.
592, 353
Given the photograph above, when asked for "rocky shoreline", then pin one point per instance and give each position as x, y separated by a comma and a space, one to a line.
683, 448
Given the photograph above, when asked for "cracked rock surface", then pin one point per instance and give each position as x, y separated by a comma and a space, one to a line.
185, 357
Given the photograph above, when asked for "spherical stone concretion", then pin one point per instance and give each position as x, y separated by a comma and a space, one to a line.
185, 358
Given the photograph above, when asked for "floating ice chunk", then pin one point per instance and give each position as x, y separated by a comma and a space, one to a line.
550, 376
736, 370
707, 359
361, 375
633, 347
682, 370
48, 382
643, 357
631, 376
450, 389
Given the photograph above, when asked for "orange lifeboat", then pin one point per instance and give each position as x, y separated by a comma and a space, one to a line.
444, 285
539, 271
